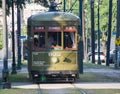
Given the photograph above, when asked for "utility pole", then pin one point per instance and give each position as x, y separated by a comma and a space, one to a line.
92, 31
5, 71
81, 40
99, 61
84, 36
19, 34
64, 5
117, 33
13, 42
109, 32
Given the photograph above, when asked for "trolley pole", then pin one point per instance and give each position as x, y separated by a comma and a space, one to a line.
13, 42
81, 40
116, 65
19, 34
5, 71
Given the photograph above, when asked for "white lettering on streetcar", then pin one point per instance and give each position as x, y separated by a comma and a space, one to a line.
38, 63
54, 54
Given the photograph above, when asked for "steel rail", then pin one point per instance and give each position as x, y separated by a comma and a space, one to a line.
78, 89
39, 89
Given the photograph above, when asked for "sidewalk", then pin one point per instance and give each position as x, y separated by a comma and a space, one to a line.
9, 54
82, 85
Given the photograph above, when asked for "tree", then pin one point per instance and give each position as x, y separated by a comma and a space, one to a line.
9, 4
104, 12
109, 32
104, 7
44, 3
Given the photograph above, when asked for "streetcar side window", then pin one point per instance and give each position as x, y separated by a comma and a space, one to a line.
36, 43
39, 39
69, 40
42, 39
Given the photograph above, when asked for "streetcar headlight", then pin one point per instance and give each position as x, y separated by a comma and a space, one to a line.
54, 59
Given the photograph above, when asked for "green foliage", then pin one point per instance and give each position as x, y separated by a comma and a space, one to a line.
25, 30
42, 2
21, 3
19, 77
1, 40
104, 15
71, 6
9, 4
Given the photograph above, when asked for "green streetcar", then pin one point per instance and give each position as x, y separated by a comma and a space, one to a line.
53, 46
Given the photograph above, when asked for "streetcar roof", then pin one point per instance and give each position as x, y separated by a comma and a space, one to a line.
54, 16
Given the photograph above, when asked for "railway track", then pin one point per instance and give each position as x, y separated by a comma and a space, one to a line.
39, 90
78, 89
73, 86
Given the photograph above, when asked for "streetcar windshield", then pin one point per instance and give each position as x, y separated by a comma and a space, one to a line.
54, 40
51, 41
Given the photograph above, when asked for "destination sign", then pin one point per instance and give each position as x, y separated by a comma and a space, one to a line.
54, 28
70, 28
39, 28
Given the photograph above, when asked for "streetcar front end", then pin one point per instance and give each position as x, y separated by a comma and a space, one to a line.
53, 47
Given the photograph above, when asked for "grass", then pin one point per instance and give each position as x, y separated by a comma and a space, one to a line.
102, 91
88, 91
88, 65
24, 63
17, 91
20, 77
94, 77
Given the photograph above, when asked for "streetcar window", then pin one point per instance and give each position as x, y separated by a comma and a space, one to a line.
54, 40
39, 39
69, 40
36, 43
